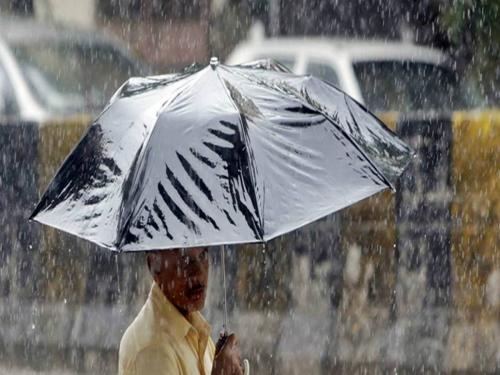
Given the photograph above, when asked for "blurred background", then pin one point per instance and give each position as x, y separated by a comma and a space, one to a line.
406, 282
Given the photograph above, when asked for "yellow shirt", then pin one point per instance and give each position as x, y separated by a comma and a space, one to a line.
162, 341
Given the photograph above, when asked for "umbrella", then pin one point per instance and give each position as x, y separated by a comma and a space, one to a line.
219, 155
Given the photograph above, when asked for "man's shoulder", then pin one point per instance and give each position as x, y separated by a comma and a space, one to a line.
141, 334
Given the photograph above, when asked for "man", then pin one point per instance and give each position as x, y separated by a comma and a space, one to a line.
170, 336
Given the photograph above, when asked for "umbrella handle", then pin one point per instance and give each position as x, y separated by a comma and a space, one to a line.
223, 336
246, 367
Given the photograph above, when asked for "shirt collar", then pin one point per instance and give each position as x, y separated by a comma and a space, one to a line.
172, 320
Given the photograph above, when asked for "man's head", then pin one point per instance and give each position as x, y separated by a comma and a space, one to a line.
182, 275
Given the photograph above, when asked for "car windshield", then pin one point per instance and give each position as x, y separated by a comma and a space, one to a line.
70, 77
411, 86
323, 71
287, 61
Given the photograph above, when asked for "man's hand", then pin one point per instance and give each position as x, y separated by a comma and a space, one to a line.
228, 359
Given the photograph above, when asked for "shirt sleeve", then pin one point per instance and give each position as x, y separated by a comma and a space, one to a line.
156, 360
211, 348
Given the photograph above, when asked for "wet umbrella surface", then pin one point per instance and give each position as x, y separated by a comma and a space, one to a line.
219, 155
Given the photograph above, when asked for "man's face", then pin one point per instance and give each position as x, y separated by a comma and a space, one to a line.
182, 276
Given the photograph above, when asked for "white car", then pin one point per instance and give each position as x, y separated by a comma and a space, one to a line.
384, 76
49, 72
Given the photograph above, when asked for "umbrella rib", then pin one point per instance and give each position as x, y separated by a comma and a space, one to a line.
260, 210
348, 136
359, 149
379, 172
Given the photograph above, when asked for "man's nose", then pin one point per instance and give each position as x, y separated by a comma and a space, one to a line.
196, 276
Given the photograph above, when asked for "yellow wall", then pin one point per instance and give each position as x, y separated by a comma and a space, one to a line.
61, 262
476, 207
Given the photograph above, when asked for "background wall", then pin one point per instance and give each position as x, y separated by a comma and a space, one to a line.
406, 279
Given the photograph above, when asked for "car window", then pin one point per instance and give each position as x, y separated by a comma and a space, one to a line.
70, 77
323, 71
8, 105
287, 61
411, 86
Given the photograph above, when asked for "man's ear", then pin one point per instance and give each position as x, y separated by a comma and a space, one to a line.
152, 261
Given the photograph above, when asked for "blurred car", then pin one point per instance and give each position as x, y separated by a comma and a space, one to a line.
384, 76
51, 71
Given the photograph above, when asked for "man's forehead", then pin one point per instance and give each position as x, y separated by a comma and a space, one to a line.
192, 250
181, 251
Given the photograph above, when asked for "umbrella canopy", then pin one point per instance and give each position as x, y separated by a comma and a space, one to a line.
219, 155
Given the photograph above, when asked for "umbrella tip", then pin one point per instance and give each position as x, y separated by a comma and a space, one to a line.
214, 61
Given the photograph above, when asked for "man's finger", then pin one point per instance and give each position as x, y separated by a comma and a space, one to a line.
231, 340
237, 353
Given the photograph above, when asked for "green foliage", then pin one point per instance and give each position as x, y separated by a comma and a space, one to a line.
474, 30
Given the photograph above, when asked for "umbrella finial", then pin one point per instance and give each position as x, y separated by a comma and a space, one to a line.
214, 62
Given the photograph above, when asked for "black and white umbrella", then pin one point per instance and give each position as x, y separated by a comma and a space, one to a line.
219, 155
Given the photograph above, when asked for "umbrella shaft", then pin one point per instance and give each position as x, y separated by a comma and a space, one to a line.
223, 261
